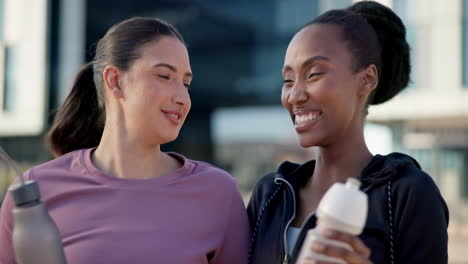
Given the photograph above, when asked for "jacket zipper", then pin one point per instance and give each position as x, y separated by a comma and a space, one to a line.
286, 259
304, 224
285, 252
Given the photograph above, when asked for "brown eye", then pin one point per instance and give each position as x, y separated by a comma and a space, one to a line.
315, 74
288, 83
163, 76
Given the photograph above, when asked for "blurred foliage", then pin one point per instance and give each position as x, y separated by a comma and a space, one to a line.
7, 176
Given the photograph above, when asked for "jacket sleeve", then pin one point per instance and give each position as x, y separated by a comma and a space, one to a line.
421, 221
235, 245
260, 191
252, 209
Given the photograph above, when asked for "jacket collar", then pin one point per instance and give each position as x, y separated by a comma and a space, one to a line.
381, 169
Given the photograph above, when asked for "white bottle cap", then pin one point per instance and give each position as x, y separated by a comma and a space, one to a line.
344, 207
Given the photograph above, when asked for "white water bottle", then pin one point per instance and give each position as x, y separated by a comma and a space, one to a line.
342, 208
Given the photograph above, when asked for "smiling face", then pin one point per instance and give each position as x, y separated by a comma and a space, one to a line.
155, 89
321, 92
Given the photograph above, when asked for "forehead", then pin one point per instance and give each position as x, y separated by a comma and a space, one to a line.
166, 50
317, 40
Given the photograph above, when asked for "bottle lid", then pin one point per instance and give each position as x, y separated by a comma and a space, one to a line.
344, 207
24, 194
353, 183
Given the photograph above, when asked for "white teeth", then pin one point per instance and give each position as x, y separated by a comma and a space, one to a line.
301, 119
174, 115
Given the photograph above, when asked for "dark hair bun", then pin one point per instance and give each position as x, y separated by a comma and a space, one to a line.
395, 51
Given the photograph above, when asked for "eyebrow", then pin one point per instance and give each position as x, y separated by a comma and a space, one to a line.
307, 62
172, 68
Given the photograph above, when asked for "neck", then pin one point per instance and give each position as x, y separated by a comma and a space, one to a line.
341, 160
124, 157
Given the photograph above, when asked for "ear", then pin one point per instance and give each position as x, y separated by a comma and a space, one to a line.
369, 80
111, 76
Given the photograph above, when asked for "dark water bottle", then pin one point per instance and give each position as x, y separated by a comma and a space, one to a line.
36, 238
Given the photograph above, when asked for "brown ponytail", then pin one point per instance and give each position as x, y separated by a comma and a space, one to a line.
79, 121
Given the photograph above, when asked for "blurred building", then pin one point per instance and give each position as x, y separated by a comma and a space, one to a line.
24, 75
236, 49
430, 119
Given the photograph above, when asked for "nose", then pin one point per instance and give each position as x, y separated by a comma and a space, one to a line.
181, 96
297, 94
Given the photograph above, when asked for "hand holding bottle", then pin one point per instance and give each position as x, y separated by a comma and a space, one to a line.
356, 252
341, 214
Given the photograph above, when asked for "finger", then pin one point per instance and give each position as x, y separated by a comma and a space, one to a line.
311, 261
349, 256
358, 246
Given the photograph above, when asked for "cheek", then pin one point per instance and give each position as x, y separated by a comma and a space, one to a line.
159, 93
333, 92
284, 98
344, 109
188, 104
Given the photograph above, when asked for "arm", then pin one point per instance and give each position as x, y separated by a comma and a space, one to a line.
235, 246
252, 208
421, 221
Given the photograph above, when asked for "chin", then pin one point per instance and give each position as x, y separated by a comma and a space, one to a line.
307, 141
163, 137
305, 144
170, 138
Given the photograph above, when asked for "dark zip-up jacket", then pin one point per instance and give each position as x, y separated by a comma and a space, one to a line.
407, 217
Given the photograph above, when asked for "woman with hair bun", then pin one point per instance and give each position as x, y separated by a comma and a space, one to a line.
335, 67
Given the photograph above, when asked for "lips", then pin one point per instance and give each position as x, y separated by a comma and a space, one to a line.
174, 116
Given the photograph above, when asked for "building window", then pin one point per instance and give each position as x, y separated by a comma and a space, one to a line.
401, 8
326, 5
465, 43
8, 61
2, 57
464, 175
24, 46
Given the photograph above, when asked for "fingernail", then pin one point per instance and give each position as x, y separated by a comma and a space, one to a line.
318, 247
328, 232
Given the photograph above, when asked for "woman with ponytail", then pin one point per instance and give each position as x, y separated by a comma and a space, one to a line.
334, 68
115, 196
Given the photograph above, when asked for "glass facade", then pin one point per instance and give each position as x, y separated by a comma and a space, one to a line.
236, 51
